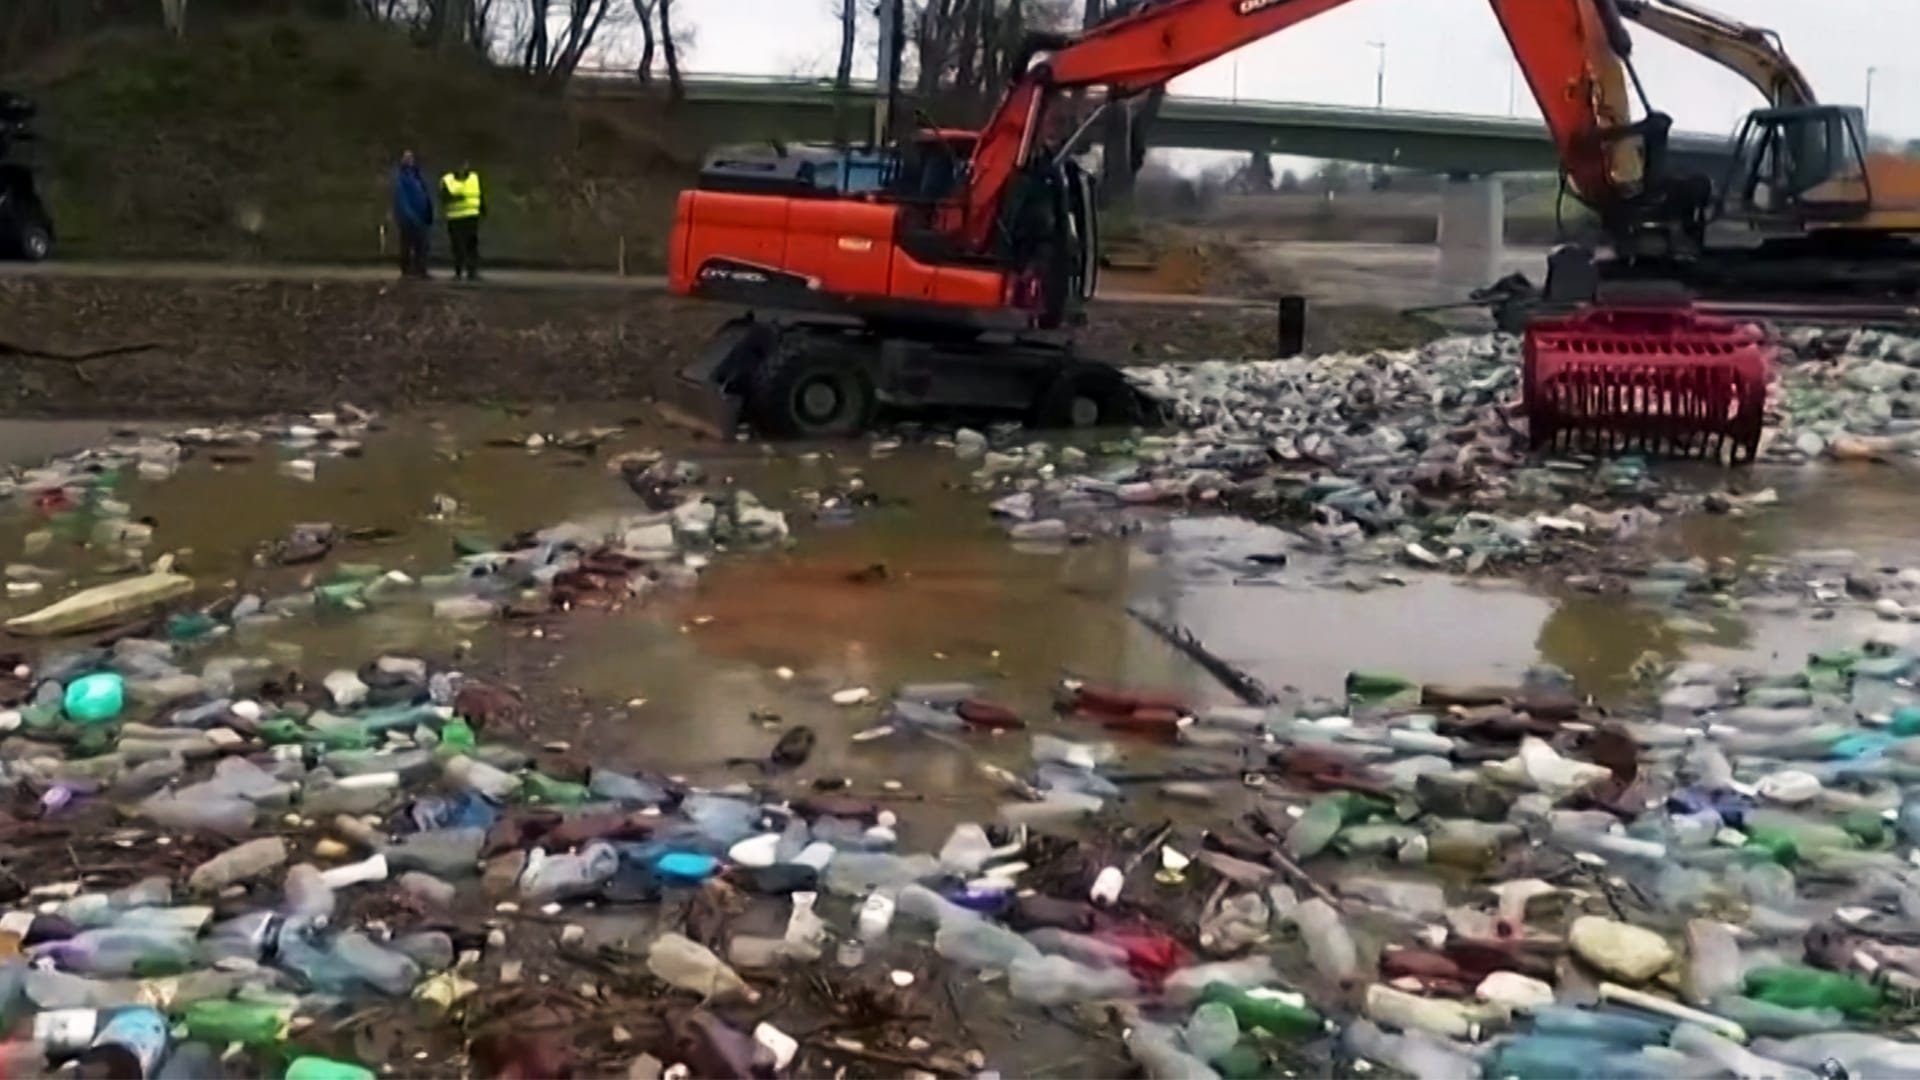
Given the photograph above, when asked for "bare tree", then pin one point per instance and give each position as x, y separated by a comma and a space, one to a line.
583, 24
848, 12
643, 14
676, 86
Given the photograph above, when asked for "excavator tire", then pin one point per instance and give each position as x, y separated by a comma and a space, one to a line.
813, 394
1087, 396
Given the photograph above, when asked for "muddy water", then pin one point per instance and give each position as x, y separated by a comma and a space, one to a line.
671, 683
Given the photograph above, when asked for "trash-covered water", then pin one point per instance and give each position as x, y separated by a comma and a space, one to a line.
531, 860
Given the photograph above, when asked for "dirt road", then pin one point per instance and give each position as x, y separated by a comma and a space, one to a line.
509, 277
201, 340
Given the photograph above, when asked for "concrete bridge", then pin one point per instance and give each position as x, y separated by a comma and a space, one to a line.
802, 110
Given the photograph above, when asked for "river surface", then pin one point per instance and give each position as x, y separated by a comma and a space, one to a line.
958, 601
684, 681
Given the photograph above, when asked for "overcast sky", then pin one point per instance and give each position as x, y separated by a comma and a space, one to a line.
1444, 55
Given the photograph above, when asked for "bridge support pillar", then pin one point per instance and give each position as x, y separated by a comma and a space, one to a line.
1472, 233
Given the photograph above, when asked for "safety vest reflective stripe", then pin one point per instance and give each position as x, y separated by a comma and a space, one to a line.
463, 196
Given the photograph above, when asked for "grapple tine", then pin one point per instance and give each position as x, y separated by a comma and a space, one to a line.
1663, 381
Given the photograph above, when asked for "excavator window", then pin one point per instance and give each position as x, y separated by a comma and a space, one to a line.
1803, 162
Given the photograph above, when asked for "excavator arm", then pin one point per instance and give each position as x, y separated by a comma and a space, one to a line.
1752, 52
1133, 53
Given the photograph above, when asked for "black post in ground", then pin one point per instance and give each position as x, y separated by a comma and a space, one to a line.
1292, 326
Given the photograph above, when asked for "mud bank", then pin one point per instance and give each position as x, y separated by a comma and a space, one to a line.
219, 348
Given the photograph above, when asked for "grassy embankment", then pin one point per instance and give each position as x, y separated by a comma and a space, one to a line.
275, 140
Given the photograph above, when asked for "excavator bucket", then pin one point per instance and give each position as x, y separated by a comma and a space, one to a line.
709, 395
1667, 381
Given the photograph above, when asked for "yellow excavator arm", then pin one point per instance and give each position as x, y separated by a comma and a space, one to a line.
1752, 52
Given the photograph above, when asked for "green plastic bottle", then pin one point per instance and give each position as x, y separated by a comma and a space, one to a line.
96, 698
540, 788
456, 737
283, 731
189, 625
1271, 1014
344, 737
1906, 721
1774, 845
1798, 987
1245, 1062
319, 1068
1376, 687
221, 1021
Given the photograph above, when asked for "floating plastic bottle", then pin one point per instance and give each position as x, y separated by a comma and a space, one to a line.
1057, 980
1800, 987
118, 951
559, 877
444, 853
806, 935
319, 1068
1329, 946
1211, 1033
229, 817
476, 775
982, 944
252, 1023
1156, 1048
248, 860
95, 699
685, 963
966, 850
132, 1043
1275, 1014
876, 916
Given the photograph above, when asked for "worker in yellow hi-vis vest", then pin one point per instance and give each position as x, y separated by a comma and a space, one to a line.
460, 195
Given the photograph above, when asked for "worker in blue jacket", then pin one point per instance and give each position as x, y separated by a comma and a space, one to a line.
413, 215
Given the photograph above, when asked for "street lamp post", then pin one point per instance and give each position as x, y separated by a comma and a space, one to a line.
1379, 74
1866, 107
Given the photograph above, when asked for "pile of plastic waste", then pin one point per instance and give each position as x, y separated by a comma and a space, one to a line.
1452, 881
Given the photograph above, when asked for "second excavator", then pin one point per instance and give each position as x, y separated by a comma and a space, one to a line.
958, 279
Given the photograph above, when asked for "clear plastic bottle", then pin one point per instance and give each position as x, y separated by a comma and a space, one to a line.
685, 963
1080, 948
117, 951
876, 916
856, 873
1415, 1055
920, 902
1188, 983
224, 816
1157, 1050
806, 936
966, 850
1329, 946
248, 860
981, 944
1056, 980
561, 877
444, 853
1211, 1032
475, 775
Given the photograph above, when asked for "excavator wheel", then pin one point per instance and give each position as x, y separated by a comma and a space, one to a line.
1087, 396
810, 393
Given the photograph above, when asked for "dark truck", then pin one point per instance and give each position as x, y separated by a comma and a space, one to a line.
26, 231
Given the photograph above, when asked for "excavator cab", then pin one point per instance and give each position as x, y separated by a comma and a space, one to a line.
1800, 164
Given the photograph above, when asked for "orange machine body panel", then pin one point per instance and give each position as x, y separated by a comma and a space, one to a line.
830, 253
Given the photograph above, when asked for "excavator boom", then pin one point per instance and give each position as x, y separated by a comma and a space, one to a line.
1754, 53
1135, 52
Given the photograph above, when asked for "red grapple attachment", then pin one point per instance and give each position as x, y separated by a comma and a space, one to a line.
1667, 381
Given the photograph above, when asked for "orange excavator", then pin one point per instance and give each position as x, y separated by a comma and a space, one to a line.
958, 278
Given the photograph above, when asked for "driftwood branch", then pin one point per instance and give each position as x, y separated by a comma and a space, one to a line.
1249, 690
28, 352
